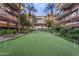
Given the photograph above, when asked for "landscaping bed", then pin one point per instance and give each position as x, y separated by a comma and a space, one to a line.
9, 37
69, 34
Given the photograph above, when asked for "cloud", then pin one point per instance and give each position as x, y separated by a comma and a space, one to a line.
40, 7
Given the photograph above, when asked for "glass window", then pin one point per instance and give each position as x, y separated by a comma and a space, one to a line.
76, 20
78, 11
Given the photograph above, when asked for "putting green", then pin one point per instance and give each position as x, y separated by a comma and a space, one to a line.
39, 44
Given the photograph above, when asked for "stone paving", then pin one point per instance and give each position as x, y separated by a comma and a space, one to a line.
5, 38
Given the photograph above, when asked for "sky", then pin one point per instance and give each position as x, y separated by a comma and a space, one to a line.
40, 9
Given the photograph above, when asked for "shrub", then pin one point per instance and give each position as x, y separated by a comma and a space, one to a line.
74, 31
64, 31
1, 32
13, 31
73, 34
24, 31
30, 30
4, 32
58, 28
76, 36
50, 29
8, 31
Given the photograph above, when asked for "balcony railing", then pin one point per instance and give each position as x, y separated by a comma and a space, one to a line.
70, 19
66, 5
4, 24
14, 6
3, 14
73, 24
64, 14
11, 11
7, 15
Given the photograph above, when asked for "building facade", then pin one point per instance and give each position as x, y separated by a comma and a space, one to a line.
52, 18
9, 15
40, 23
68, 14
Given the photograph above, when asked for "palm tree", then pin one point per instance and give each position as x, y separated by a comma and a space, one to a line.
50, 8
30, 7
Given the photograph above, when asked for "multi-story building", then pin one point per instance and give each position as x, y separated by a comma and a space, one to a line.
9, 15
68, 14
52, 18
40, 24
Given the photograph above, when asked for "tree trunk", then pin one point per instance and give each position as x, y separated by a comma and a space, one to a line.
53, 24
8, 24
19, 19
30, 17
29, 14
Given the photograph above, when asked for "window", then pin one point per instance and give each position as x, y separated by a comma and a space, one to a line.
0, 11
61, 12
73, 14
75, 20
78, 11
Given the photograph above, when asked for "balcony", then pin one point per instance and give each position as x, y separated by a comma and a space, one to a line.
74, 24
12, 25
69, 20
13, 18
65, 5
64, 14
11, 11
3, 24
14, 6
4, 15
7, 9
39, 23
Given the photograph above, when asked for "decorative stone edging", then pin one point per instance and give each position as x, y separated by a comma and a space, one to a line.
3, 39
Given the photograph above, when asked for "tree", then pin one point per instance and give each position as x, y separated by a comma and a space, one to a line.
19, 17
24, 22
49, 23
50, 8
30, 7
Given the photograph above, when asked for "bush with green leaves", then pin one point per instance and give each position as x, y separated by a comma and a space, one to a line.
13, 31
8, 31
74, 31
4, 32
73, 34
50, 29
58, 28
24, 31
65, 30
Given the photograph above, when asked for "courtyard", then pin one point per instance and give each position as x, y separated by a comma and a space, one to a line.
39, 44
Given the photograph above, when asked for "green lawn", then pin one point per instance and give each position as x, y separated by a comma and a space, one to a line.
39, 44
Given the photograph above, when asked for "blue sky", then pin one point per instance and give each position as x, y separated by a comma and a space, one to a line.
40, 9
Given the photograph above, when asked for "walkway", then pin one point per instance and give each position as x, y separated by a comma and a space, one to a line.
39, 44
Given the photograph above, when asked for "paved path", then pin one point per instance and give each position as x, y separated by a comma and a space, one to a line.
5, 38
40, 44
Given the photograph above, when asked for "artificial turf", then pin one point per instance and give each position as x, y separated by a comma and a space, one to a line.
39, 44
